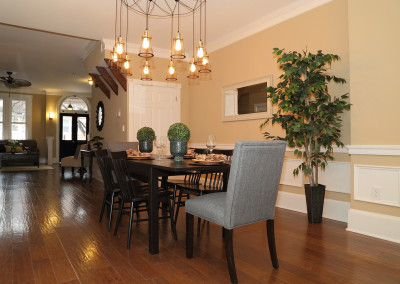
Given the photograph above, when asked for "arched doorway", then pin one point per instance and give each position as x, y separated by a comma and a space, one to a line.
73, 125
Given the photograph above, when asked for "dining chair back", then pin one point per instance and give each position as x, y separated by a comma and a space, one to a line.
122, 174
251, 196
111, 188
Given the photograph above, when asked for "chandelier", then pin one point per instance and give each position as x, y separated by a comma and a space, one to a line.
162, 9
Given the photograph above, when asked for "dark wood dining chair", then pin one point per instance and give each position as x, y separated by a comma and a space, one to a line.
133, 192
111, 187
251, 197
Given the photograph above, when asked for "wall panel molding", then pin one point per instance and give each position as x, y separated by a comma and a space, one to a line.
377, 184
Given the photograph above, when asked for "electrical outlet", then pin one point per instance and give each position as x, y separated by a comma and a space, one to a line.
376, 192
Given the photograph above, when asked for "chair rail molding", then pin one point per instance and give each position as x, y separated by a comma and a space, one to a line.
380, 150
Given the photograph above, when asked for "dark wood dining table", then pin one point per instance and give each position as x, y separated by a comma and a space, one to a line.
152, 170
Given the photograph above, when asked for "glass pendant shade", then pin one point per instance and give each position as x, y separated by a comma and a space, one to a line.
200, 52
120, 45
126, 67
178, 50
114, 55
193, 70
146, 72
146, 50
204, 66
171, 74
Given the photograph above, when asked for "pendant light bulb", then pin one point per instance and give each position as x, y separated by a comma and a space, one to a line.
126, 64
120, 45
200, 50
178, 42
146, 69
192, 67
146, 40
171, 69
205, 60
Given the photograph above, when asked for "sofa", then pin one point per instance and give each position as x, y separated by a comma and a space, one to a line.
30, 154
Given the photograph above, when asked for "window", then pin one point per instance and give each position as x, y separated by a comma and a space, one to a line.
76, 103
247, 100
15, 117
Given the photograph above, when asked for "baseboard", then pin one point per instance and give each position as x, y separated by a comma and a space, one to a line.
375, 225
333, 209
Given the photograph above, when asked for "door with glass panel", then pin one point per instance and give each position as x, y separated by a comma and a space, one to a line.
73, 132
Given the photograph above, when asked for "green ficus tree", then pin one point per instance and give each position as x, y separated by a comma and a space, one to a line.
306, 111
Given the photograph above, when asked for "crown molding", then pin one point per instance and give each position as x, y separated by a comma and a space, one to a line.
272, 19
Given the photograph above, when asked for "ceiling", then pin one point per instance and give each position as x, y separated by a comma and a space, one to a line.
57, 35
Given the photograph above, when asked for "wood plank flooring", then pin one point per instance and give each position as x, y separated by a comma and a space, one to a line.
49, 233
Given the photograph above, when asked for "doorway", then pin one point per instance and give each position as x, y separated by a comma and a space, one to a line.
155, 104
74, 128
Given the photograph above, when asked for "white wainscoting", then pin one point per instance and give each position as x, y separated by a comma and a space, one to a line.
375, 225
379, 150
336, 177
333, 209
377, 184
287, 177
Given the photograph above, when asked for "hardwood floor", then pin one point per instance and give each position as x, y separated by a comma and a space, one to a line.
49, 233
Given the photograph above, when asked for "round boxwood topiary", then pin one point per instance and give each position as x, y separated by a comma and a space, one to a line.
146, 134
178, 132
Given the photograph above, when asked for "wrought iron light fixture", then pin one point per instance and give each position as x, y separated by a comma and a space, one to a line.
199, 62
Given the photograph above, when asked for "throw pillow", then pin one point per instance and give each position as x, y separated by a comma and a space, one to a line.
18, 150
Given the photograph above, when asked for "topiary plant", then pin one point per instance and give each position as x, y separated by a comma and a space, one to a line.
146, 134
178, 132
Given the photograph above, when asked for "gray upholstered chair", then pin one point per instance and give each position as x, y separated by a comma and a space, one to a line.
251, 196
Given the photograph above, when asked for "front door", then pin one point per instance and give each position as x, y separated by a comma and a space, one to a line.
73, 131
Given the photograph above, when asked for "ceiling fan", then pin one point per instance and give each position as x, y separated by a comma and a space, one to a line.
10, 82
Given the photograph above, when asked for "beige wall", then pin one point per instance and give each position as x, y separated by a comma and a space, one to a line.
322, 28
374, 43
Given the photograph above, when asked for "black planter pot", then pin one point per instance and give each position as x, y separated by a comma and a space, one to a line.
178, 149
146, 146
315, 196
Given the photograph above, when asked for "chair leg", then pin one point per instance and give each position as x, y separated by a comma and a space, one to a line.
198, 226
171, 217
229, 254
121, 205
178, 204
271, 243
189, 235
62, 170
103, 206
111, 211
130, 225
72, 169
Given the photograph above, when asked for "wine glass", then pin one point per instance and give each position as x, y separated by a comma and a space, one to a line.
211, 142
160, 142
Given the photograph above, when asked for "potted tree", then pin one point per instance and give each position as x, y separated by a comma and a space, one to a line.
178, 135
146, 136
309, 115
97, 142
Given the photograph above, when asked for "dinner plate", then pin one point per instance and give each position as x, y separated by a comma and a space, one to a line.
202, 162
139, 157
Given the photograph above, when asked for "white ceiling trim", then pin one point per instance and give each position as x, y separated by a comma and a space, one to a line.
266, 22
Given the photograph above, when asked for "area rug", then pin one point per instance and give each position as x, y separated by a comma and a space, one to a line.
25, 168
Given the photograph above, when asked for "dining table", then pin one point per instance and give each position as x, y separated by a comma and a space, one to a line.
151, 170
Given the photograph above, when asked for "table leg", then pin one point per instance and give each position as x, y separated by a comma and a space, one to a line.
82, 165
153, 212
90, 166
